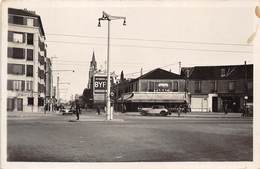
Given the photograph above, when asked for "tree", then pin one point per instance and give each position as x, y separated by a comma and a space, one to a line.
122, 78
88, 97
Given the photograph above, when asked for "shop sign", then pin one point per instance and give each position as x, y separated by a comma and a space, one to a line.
162, 87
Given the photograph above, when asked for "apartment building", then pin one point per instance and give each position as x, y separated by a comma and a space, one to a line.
27, 57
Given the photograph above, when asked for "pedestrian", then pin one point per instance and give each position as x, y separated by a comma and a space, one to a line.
98, 110
77, 109
179, 109
226, 108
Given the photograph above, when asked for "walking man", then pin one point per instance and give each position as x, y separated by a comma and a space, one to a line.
98, 109
77, 109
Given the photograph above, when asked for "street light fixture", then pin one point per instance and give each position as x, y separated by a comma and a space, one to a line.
107, 17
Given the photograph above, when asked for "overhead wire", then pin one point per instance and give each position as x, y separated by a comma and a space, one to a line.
155, 47
149, 40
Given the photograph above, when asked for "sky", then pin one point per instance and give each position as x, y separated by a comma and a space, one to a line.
157, 34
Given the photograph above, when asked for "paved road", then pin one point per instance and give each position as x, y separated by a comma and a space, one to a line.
134, 138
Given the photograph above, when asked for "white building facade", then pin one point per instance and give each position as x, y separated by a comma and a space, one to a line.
26, 59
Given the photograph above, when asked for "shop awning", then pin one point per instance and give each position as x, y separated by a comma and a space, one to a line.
154, 97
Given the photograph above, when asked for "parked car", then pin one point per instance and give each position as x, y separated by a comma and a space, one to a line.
156, 109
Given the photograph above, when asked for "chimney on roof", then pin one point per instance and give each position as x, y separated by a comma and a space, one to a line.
33, 12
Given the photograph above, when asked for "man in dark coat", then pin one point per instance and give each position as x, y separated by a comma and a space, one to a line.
98, 109
77, 109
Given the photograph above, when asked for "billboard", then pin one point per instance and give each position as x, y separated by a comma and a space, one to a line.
100, 88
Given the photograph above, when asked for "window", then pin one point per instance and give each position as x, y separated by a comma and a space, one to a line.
10, 104
197, 86
213, 86
28, 85
223, 72
29, 70
144, 86
35, 23
29, 38
15, 85
41, 88
30, 101
18, 20
175, 86
16, 53
16, 69
231, 86
151, 86
30, 54
41, 73
18, 37
29, 21
40, 59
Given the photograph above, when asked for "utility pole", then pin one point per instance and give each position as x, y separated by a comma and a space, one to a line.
51, 81
108, 18
246, 90
58, 89
179, 67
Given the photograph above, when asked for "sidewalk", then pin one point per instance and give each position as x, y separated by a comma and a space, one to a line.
84, 116
30, 114
93, 116
197, 115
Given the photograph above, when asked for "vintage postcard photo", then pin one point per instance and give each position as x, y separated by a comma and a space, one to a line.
119, 84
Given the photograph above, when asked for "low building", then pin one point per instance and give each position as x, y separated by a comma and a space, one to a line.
216, 88
155, 87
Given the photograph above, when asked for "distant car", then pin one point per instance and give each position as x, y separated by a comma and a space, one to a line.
156, 109
66, 111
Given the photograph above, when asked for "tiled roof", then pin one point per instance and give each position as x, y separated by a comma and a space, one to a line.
215, 72
159, 74
22, 12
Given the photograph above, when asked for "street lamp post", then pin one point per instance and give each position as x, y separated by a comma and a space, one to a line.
108, 17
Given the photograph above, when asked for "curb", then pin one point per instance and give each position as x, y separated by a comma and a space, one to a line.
97, 120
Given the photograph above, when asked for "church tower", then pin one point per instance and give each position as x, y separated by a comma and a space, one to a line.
92, 69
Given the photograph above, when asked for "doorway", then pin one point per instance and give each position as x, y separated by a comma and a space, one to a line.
19, 104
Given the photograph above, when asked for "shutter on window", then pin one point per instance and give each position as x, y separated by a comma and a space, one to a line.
24, 21
10, 52
23, 69
9, 68
23, 85
23, 37
10, 36
10, 85
23, 53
